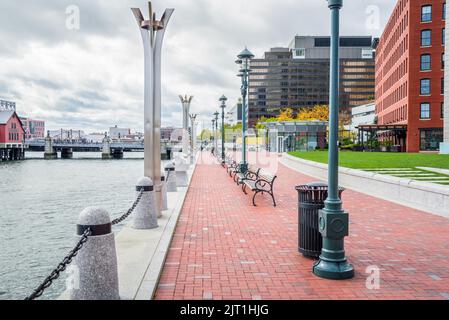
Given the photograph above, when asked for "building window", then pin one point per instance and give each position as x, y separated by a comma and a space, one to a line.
442, 110
443, 36
425, 62
442, 61
426, 13
425, 86
442, 85
426, 38
425, 111
431, 139
444, 11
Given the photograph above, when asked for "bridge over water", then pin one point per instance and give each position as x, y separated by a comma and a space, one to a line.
78, 146
115, 149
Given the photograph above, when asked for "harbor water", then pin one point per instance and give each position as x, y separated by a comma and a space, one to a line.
40, 201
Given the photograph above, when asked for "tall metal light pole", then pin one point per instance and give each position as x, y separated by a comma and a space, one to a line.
216, 114
333, 220
192, 134
213, 132
152, 32
223, 100
244, 59
186, 101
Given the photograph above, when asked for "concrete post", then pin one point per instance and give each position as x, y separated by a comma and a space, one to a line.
181, 167
49, 152
172, 185
164, 194
146, 213
95, 266
106, 149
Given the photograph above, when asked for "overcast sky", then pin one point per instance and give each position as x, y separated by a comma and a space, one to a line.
91, 78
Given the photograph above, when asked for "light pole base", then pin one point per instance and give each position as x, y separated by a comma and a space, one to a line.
243, 167
332, 270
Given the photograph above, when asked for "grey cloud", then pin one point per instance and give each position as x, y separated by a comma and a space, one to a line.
74, 105
201, 43
92, 95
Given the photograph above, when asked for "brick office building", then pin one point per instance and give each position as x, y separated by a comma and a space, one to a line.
34, 129
410, 75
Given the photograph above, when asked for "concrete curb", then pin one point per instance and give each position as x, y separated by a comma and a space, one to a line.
414, 194
141, 254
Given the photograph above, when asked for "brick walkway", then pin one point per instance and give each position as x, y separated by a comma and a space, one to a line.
224, 248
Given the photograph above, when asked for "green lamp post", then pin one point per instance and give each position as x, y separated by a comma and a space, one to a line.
244, 59
216, 114
223, 100
333, 220
213, 132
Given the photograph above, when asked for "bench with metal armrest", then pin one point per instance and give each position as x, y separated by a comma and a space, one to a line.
263, 184
251, 174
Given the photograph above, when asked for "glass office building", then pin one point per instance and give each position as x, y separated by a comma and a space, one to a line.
298, 76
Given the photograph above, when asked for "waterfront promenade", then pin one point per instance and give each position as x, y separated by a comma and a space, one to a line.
224, 248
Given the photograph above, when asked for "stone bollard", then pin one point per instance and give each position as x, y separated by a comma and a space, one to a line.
164, 194
95, 274
145, 216
171, 178
181, 165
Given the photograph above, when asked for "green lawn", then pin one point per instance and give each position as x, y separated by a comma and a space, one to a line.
366, 160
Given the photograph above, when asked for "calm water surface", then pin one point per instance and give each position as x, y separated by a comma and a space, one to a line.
39, 205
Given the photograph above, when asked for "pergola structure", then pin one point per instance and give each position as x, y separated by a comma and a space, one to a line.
395, 133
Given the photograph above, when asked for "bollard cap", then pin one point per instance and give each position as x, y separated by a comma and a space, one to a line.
97, 219
170, 167
144, 182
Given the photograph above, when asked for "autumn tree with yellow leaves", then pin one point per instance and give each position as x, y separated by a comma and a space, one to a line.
318, 112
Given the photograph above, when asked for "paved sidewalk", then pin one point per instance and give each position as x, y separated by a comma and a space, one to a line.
224, 248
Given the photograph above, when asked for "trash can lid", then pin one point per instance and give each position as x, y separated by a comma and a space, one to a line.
317, 184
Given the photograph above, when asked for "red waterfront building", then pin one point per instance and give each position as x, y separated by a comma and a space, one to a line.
12, 136
410, 76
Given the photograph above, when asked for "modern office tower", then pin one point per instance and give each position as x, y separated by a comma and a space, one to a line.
298, 76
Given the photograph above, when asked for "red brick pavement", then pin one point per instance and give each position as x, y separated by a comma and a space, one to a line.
224, 248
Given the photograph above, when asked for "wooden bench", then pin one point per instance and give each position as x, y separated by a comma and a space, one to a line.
263, 183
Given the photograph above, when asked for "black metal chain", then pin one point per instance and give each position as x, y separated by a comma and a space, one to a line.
61, 267
130, 210
68, 259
